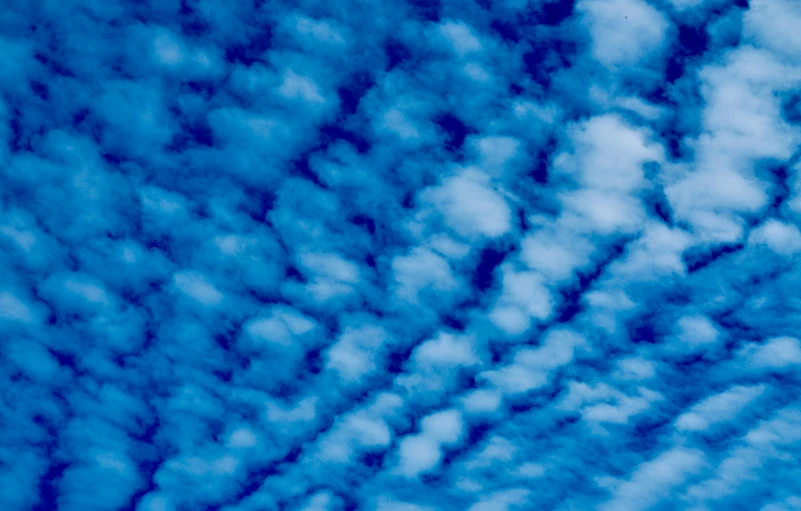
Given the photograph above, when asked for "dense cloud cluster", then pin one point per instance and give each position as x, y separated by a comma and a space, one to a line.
400, 256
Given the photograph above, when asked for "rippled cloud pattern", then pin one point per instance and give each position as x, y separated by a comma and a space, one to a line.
400, 256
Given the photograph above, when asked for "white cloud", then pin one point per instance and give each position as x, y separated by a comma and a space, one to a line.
419, 270
557, 349
353, 355
608, 213
524, 296
556, 256
446, 426
775, 353
446, 350
502, 500
774, 24
743, 462
460, 37
654, 480
780, 237
792, 503
656, 254
510, 319
635, 369
719, 408
495, 152
470, 206
532, 367
742, 123
397, 122
697, 331
319, 502
601, 404
295, 86
320, 30
281, 327
624, 32
14, 309
418, 454
609, 155
242, 438
482, 401
198, 288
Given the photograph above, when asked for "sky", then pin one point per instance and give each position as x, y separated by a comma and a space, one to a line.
400, 256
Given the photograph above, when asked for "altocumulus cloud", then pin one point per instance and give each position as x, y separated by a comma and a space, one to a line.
400, 256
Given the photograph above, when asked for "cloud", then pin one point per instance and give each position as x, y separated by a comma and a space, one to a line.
624, 31
718, 408
410, 256
655, 479
744, 460
776, 353
778, 236
770, 22
470, 206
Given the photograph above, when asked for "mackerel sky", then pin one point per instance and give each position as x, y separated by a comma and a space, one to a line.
400, 255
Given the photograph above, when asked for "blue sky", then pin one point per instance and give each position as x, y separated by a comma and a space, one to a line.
400, 256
